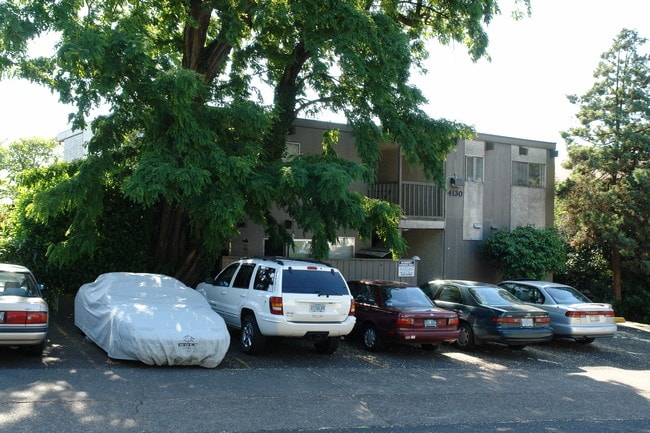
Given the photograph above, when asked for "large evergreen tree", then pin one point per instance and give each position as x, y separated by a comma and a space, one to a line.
605, 200
188, 134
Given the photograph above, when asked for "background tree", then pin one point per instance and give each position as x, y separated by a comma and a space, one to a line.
605, 198
20, 155
526, 252
189, 135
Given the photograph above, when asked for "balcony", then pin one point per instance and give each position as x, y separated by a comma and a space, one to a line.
418, 200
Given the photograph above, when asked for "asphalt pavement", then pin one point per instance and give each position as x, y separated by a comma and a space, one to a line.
558, 387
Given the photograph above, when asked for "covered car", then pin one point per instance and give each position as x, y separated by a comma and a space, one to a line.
151, 318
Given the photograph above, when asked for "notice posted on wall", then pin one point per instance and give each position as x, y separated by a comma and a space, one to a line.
406, 268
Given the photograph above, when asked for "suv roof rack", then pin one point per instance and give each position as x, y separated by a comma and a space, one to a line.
281, 259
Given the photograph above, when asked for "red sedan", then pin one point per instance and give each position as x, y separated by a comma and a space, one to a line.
396, 312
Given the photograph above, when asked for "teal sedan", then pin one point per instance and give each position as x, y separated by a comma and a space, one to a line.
490, 314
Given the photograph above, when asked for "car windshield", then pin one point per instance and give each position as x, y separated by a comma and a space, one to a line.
311, 281
17, 284
567, 295
405, 297
493, 296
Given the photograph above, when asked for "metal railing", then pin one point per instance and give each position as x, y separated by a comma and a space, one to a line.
417, 199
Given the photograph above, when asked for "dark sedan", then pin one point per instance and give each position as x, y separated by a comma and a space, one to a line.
396, 312
489, 313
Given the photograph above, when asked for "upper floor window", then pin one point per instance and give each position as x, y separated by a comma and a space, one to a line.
529, 174
474, 168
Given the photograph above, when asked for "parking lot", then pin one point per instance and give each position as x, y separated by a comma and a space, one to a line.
560, 386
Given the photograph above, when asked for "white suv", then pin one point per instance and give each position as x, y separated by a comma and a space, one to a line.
282, 297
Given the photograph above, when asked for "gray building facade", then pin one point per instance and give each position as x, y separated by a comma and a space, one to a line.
492, 183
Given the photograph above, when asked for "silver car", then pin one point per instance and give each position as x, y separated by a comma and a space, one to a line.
24, 313
573, 315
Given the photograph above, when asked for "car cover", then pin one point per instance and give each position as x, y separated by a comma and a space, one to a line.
152, 318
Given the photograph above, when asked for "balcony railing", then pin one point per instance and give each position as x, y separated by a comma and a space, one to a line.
417, 199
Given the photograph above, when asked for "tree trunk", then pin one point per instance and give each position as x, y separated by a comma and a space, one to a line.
616, 273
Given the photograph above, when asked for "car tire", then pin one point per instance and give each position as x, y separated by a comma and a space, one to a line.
370, 338
252, 342
429, 347
466, 337
585, 340
327, 346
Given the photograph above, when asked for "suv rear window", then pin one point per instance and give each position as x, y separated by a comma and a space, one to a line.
309, 281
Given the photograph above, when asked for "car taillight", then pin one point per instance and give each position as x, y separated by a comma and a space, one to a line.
506, 319
353, 308
15, 317
404, 321
583, 314
275, 303
25, 317
542, 320
453, 321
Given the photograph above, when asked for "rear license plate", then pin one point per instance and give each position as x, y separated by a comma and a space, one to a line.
430, 323
2, 316
596, 318
317, 308
527, 323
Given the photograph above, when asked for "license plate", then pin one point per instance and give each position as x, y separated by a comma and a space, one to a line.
594, 318
317, 308
2, 316
527, 323
430, 323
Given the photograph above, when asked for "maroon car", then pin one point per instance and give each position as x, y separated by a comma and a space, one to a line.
397, 312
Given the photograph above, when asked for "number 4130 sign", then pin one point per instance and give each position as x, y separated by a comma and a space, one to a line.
455, 193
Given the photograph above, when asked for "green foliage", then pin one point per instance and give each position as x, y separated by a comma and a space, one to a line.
604, 202
20, 155
123, 233
587, 269
526, 252
188, 133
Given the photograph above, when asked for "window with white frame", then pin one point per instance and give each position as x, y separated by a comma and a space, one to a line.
529, 174
291, 150
473, 168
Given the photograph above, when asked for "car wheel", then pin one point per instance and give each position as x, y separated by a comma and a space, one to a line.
429, 347
252, 341
466, 337
371, 338
327, 346
585, 340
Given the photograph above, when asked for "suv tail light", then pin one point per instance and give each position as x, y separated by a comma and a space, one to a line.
275, 304
352, 308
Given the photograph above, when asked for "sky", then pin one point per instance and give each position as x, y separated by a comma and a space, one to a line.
522, 92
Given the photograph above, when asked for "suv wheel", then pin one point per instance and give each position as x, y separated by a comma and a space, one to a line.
371, 338
252, 341
327, 346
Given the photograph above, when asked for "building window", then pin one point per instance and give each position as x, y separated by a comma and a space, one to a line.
291, 150
474, 168
343, 249
529, 174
